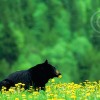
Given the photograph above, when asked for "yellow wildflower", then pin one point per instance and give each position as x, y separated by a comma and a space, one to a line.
16, 98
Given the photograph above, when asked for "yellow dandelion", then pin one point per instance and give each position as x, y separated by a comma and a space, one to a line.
29, 90
16, 98
11, 90
52, 80
22, 89
23, 95
48, 89
35, 93
19, 83
2, 90
73, 96
16, 85
54, 99
31, 86
88, 94
23, 84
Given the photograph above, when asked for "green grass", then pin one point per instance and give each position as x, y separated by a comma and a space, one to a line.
54, 91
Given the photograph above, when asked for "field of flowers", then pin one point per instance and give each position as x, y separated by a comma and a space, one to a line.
54, 91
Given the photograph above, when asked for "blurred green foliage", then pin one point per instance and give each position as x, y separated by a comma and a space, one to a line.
58, 30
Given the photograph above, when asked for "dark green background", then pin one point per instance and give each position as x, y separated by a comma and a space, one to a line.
66, 32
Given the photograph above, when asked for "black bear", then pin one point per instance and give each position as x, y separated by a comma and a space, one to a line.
36, 76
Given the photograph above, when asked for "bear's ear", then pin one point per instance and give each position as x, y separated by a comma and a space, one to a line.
46, 62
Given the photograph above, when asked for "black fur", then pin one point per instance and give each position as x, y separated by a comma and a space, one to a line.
36, 76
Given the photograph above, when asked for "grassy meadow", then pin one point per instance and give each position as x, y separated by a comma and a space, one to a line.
54, 91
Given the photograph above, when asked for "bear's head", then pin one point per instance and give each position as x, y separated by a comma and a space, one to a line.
50, 70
